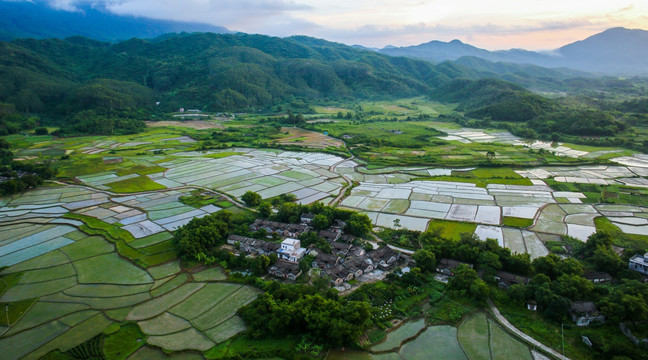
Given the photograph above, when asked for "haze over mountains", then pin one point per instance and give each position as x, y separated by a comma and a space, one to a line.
614, 51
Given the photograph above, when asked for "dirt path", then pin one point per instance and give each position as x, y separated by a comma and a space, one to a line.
528, 339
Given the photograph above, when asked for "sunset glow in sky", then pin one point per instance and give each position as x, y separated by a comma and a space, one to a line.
501, 24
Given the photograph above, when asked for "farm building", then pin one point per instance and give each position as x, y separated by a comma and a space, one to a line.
505, 279
384, 257
598, 277
447, 266
285, 269
585, 312
291, 250
639, 263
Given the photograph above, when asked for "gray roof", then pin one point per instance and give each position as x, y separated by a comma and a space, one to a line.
583, 307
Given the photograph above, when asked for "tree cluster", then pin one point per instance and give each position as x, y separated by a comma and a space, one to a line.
303, 310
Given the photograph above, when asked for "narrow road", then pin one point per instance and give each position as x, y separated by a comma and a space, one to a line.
528, 339
348, 180
395, 248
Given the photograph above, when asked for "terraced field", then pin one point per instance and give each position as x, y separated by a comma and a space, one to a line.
79, 293
477, 338
82, 260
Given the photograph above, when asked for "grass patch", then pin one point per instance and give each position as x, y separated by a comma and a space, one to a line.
198, 199
112, 231
249, 348
621, 239
125, 341
9, 281
450, 309
16, 310
221, 155
516, 222
138, 184
224, 204
484, 176
451, 229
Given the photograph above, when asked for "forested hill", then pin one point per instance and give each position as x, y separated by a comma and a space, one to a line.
202, 70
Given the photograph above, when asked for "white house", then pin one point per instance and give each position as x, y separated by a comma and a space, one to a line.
639, 263
291, 250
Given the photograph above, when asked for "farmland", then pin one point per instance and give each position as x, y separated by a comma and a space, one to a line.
476, 338
90, 255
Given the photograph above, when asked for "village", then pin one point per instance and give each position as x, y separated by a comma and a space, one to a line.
350, 265
345, 263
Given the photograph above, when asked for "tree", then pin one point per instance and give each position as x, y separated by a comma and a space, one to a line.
358, 225
320, 222
41, 131
489, 260
464, 277
289, 212
425, 260
573, 287
195, 239
265, 209
251, 198
490, 156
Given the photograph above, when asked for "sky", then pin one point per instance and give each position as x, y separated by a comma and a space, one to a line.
490, 24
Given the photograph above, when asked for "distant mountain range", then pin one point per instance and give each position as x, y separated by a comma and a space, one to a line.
27, 19
614, 51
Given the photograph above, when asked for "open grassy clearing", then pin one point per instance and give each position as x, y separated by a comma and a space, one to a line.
516, 222
136, 184
484, 176
451, 229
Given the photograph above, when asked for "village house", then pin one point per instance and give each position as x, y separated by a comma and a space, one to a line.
325, 261
285, 269
359, 266
585, 312
384, 258
340, 249
339, 274
253, 246
598, 277
306, 218
532, 305
282, 229
346, 238
356, 251
505, 279
639, 263
338, 225
328, 235
291, 250
447, 266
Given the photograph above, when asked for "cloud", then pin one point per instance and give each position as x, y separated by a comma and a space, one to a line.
382, 22
217, 12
